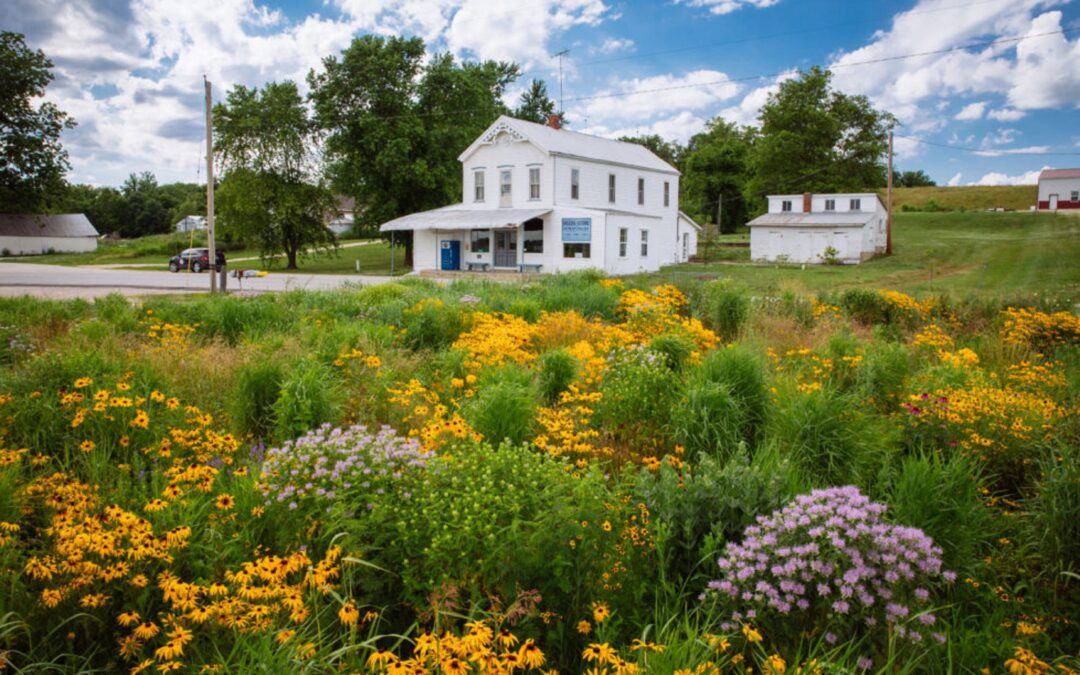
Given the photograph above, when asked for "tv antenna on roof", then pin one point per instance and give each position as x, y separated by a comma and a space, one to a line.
559, 56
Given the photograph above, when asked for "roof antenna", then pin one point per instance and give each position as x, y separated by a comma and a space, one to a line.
559, 55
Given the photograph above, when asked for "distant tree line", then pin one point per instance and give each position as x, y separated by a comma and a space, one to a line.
138, 208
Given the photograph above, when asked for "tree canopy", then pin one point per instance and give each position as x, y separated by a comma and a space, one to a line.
913, 179
535, 105
716, 172
669, 151
273, 194
32, 161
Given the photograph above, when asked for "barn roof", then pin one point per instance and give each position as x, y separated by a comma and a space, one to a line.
815, 219
32, 225
1059, 173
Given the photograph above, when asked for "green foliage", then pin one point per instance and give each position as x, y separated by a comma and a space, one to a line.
716, 170
865, 306
669, 151
708, 420
504, 409
744, 376
1053, 516
556, 370
255, 397
308, 398
638, 392
674, 348
535, 104
432, 324
912, 179
32, 161
881, 378
724, 307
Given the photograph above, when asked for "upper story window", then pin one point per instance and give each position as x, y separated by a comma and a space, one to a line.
534, 182
505, 187
785, 205
611, 188
855, 205
624, 236
644, 243
641, 191
667, 193
1075, 196
478, 186
830, 204
575, 182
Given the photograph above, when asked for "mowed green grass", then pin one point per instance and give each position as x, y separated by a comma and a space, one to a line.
972, 198
983, 254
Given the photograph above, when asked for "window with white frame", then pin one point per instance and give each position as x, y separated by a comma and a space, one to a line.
505, 187
785, 205
667, 193
855, 205
624, 236
534, 182
532, 236
480, 241
575, 250
478, 186
611, 188
644, 243
830, 204
641, 191
1075, 196
575, 181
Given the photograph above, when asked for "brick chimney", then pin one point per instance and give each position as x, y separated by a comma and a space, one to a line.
807, 200
554, 121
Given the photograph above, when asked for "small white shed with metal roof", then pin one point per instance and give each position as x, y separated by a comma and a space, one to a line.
30, 234
819, 228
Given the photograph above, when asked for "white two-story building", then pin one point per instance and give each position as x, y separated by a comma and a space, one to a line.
540, 198
819, 228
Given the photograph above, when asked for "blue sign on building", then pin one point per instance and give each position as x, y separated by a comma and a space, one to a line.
577, 229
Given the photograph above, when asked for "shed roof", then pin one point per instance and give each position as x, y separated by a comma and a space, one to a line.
33, 225
1059, 173
457, 217
815, 219
574, 144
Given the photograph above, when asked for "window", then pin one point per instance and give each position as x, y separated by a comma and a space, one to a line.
478, 186
480, 241
644, 243
785, 205
624, 235
611, 188
532, 240
855, 205
1075, 196
576, 250
575, 180
641, 191
830, 204
667, 193
505, 187
534, 182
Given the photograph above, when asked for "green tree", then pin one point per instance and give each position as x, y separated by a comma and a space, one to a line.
32, 161
716, 169
103, 206
142, 211
394, 127
535, 105
273, 194
815, 139
670, 152
913, 179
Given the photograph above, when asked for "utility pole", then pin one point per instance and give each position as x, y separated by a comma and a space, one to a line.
888, 204
212, 256
559, 55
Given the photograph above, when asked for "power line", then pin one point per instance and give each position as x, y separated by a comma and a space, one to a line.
987, 151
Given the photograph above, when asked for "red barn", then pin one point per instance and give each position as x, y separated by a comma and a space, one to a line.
1059, 190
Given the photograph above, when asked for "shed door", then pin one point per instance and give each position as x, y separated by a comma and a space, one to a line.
1053, 202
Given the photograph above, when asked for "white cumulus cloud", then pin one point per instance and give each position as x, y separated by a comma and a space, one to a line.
727, 6
955, 180
972, 111
997, 178
641, 100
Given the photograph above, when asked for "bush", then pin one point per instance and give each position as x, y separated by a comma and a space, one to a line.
254, 396
638, 393
827, 563
865, 306
883, 376
556, 370
308, 398
708, 419
724, 308
503, 410
1054, 514
743, 374
432, 324
675, 349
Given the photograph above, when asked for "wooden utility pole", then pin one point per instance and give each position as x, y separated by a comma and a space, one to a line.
888, 204
212, 256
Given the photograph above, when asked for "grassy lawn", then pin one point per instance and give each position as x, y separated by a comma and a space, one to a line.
972, 198
986, 254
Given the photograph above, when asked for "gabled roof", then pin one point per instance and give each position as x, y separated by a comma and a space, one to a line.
31, 225
690, 220
1059, 173
814, 219
568, 143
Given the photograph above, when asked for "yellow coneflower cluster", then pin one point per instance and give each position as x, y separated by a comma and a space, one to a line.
479, 649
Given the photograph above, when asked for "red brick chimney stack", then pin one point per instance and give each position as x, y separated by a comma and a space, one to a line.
807, 200
554, 121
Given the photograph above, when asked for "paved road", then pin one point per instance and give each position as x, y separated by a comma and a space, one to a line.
57, 281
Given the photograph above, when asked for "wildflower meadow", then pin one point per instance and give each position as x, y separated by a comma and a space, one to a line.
574, 475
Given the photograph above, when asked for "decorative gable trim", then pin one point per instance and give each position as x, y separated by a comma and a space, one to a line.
501, 127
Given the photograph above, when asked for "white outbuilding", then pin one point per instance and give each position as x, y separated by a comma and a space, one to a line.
819, 228
1059, 190
190, 224
25, 234
538, 198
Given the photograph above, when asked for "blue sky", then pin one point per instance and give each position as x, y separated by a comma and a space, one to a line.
999, 88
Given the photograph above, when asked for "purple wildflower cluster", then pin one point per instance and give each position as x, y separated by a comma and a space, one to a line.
827, 560
339, 466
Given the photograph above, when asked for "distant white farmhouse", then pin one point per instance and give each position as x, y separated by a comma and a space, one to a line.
191, 223
541, 198
1059, 190
341, 223
809, 228
22, 234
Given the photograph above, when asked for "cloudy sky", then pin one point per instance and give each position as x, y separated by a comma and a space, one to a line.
987, 91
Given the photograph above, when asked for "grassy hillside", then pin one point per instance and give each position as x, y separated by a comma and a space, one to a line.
972, 198
973, 253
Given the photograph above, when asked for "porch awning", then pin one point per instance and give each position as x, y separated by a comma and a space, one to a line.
459, 218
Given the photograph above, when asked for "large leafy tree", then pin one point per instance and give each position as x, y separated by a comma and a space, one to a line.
913, 179
32, 161
395, 126
273, 194
816, 139
716, 172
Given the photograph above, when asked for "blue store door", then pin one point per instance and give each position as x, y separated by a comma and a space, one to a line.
450, 252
